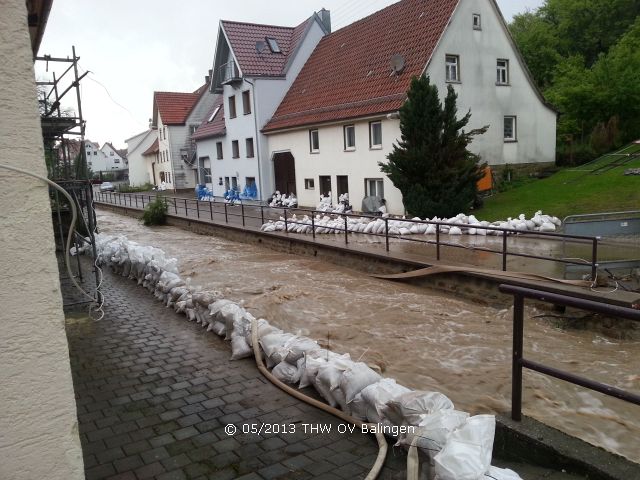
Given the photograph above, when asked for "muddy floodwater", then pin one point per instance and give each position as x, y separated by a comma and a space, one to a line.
425, 339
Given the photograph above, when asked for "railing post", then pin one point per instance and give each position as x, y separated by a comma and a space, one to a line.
313, 226
504, 251
438, 242
242, 212
211, 210
186, 211
197, 208
142, 197
226, 215
594, 260
135, 195
346, 229
516, 365
286, 228
262, 214
175, 205
386, 233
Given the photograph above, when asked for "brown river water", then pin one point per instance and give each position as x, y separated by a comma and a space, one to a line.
425, 339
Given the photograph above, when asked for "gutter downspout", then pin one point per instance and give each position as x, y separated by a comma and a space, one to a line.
257, 149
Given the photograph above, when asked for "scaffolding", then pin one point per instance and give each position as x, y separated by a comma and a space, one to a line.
63, 131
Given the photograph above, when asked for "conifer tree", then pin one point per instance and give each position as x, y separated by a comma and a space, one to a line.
431, 165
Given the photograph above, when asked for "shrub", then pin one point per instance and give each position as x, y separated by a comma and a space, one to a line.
155, 213
147, 187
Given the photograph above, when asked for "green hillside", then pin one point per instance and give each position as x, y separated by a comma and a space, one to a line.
599, 186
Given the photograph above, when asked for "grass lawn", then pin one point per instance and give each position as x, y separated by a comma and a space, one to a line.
570, 191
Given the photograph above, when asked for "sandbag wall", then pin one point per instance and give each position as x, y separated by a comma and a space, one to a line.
458, 444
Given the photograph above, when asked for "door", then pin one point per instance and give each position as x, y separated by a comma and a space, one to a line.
343, 184
325, 185
284, 170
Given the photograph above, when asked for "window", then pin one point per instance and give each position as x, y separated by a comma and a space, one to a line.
314, 141
453, 68
89, 163
375, 134
309, 184
95, 152
111, 153
219, 150
226, 183
246, 102
193, 128
374, 187
219, 180
165, 132
168, 177
273, 45
250, 182
235, 149
502, 70
214, 113
349, 137
232, 106
477, 25
207, 174
234, 183
249, 147
510, 129
116, 160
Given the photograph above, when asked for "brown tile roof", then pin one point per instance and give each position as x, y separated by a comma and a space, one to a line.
243, 37
349, 75
214, 128
154, 148
175, 107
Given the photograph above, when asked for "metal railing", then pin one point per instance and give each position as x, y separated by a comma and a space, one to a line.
519, 362
230, 211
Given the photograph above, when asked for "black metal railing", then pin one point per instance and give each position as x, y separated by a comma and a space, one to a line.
241, 213
519, 362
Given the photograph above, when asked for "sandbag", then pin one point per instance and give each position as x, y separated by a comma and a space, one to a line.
434, 430
355, 378
287, 373
411, 407
240, 348
496, 473
467, 453
378, 394
218, 328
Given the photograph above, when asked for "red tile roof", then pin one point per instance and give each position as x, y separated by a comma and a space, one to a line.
243, 37
175, 107
349, 74
215, 127
154, 148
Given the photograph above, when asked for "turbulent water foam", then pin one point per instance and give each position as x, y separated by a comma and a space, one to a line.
426, 340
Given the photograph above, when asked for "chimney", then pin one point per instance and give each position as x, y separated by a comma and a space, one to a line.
325, 16
207, 77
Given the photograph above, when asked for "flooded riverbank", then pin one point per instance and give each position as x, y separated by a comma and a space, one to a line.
426, 340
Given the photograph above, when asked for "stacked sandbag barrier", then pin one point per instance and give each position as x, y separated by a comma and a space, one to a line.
459, 445
459, 225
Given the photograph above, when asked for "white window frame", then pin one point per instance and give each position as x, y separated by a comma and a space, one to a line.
219, 151
502, 71
345, 134
514, 128
314, 147
309, 184
477, 25
246, 102
378, 187
452, 68
248, 145
372, 145
233, 113
235, 149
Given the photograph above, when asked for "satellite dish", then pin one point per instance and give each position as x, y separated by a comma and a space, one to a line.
260, 46
397, 63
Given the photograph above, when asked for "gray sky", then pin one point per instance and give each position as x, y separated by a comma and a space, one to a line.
136, 47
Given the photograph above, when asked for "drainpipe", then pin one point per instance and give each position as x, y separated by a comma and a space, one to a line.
257, 149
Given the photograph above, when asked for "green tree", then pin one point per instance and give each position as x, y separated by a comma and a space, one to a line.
431, 165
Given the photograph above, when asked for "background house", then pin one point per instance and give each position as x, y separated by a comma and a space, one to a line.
340, 116
176, 116
254, 65
139, 164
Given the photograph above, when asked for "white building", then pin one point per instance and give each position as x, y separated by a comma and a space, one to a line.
340, 116
254, 66
176, 116
139, 164
105, 159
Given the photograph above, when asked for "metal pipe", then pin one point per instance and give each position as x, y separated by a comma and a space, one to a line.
438, 242
516, 362
386, 233
242, 212
286, 229
346, 230
197, 208
594, 260
313, 226
211, 210
226, 215
504, 251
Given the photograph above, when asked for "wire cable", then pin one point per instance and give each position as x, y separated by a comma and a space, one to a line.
74, 218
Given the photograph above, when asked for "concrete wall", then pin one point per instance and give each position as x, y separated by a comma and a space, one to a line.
334, 160
479, 51
38, 424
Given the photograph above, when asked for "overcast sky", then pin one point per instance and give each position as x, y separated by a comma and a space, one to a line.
133, 48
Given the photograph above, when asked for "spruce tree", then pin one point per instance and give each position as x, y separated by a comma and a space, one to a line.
431, 165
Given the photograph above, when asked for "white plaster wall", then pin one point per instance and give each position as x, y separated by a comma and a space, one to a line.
333, 160
38, 425
139, 165
164, 145
479, 51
